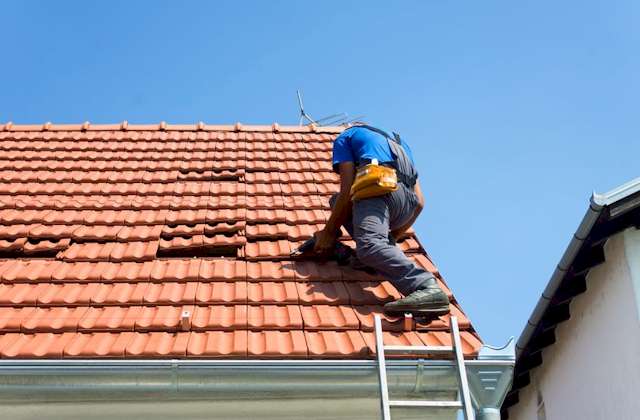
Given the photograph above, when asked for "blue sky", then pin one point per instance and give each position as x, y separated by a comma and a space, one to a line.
516, 111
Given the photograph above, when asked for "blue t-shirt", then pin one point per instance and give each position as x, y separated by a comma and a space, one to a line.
357, 143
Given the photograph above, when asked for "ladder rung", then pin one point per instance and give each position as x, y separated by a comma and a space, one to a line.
432, 404
418, 349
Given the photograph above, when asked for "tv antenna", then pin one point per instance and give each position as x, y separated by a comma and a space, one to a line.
333, 119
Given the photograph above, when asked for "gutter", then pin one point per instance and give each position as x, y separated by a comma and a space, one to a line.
597, 204
259, 386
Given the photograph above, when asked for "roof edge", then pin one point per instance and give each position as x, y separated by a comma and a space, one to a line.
163, 126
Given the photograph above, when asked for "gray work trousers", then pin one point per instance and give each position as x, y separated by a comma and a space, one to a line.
371, 221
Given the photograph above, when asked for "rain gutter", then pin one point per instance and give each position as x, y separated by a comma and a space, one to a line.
40, 382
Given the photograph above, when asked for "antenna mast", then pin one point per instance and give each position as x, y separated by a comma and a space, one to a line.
334, 119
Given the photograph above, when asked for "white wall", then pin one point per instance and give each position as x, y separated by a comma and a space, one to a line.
593, 369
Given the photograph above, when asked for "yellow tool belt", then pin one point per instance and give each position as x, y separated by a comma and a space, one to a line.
373, 180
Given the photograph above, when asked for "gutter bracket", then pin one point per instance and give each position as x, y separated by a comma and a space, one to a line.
419, 376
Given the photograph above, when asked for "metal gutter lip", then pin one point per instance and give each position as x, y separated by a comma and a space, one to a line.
239, 363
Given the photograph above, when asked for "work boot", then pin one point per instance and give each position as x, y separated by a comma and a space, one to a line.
430, 301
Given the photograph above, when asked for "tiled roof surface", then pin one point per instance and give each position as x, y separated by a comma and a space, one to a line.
154, 241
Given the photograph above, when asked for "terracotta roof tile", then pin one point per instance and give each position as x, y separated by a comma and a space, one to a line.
221, 292
269, 270
218, 344
274, 317
322, 293
277, 344
336, 344
329, 317
284, 292
172, 241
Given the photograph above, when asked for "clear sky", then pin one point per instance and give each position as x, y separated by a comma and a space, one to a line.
516, 111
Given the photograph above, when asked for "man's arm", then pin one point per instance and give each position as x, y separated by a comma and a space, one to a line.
399, 232
326, 238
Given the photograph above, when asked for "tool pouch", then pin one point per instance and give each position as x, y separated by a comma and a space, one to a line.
373, 180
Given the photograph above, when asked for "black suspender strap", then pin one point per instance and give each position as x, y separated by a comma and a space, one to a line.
407, 173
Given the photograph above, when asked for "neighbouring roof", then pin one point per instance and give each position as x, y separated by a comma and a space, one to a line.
173, 241
607, 215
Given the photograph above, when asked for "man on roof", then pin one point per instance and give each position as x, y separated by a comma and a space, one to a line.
379, 199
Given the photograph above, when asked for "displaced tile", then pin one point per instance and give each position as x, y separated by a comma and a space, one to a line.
262, 250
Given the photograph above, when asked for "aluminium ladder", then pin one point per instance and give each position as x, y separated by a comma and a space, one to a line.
464, 401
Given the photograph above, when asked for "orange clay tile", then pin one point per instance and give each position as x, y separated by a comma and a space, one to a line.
264, 189
269, 270
371, 293
276, 344
222, 270
267, 231
274, 317
158, 318
322, 293
29, 271
175, 270
128, 271
38, 345
266, 216
266, 292
167, 293
389, 323
443, 322
265, 201
110, 318
95, 345
45, 245
219, 317
267, 250
63, 294
221, 292
21, 294
96, 233
217, 344
11, 319
157, 344
139, 233
297, 217
424, 262
329, 317
336, 344
305, 202
115, 293
308, 270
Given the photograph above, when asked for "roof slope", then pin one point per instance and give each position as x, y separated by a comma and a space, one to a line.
173, 241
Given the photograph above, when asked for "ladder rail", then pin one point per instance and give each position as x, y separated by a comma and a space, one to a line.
382, 371
463, 382
464, 401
